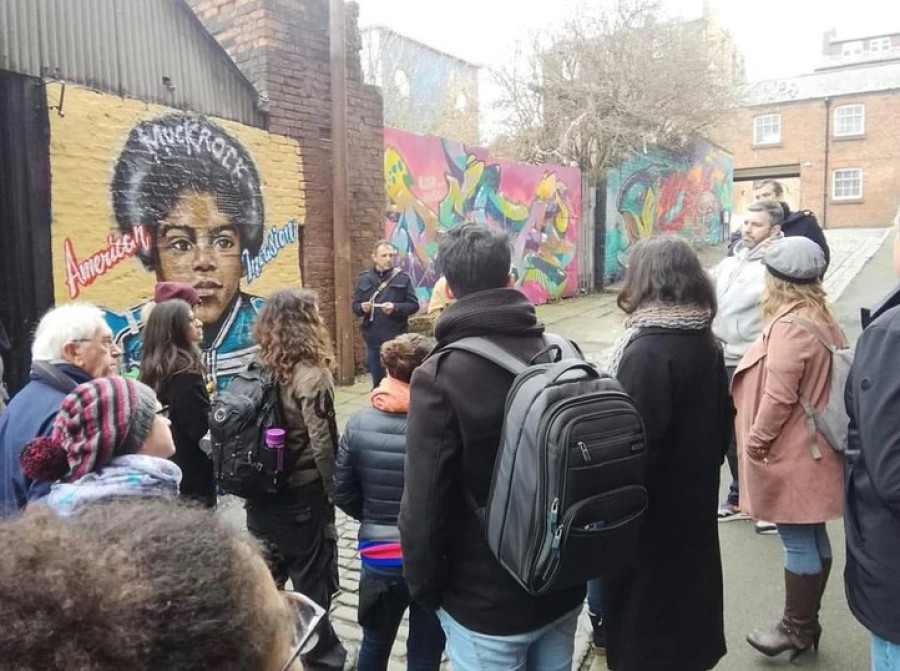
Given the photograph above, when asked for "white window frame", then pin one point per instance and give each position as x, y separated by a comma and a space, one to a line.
853, 48
843, 113
759, 124
844, 174
879, 44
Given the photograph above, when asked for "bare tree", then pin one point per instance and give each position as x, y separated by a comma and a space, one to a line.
610, 82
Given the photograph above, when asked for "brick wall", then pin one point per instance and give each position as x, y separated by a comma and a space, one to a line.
876, 152
282, 46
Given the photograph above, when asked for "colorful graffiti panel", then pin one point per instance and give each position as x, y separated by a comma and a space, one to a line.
663, 193
143, 193
433, 184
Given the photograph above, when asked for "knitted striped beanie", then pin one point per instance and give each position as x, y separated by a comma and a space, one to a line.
97, 421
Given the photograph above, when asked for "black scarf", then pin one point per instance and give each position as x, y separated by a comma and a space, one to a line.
488, 312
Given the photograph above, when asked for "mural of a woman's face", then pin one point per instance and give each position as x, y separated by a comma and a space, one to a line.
197, 244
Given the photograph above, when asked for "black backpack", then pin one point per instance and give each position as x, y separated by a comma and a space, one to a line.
567, 497
238, 420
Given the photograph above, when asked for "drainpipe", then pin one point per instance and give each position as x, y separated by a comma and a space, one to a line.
827, 102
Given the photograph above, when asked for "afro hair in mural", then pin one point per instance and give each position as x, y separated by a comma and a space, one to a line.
177, 153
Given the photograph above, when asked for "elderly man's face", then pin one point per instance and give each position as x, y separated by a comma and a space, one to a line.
97, 356
198, 244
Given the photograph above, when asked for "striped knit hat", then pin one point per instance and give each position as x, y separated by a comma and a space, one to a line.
98, 420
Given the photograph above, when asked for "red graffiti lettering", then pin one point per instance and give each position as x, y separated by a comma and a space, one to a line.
81, 274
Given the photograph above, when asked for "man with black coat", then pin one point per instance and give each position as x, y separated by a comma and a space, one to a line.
385, 299
455, 418
872, 477
801, 222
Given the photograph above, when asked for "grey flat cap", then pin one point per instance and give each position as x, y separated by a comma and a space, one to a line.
796, 259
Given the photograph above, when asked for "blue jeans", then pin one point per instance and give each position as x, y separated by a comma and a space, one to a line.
595, 596
805, 546
373, 361
548, 648
383, 598
885, 655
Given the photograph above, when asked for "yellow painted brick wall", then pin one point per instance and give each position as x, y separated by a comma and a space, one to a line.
95, 260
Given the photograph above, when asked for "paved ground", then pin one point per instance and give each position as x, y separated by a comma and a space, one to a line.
752, 563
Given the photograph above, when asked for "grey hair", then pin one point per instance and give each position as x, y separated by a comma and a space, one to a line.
63, 324
772, 208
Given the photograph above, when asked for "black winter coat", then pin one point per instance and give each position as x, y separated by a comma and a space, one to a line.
377, 327
872, 510
456, 412
804, 222
666, 615
188, 401
368, 478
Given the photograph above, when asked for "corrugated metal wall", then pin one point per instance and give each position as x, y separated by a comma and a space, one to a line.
127, 47
26, 277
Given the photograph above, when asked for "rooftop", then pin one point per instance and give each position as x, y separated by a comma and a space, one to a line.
868, 78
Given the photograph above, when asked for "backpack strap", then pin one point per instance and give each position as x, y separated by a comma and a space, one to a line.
808, 410
487, 350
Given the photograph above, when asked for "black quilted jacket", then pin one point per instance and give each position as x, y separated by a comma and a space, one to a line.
368, 479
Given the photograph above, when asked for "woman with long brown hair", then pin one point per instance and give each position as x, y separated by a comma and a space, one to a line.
666, 613
788, 472
172, 367
297, 525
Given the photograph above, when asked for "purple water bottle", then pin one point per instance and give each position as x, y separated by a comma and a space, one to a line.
275, 441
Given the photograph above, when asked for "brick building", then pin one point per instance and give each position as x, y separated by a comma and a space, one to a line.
133, 97
831, 138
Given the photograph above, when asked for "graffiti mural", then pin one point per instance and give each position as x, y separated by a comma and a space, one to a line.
663, 193
433, 184
144, 194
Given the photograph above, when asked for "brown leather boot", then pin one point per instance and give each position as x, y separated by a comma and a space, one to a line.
796, 630
817, 628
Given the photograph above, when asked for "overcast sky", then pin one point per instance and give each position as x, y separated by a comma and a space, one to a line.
777, 37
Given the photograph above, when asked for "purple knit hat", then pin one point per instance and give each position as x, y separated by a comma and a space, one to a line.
97, 421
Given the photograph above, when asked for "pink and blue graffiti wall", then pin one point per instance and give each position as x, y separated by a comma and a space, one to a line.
663, 193
434, 184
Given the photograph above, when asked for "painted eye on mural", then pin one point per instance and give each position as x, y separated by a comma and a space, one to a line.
224, 242
181, 244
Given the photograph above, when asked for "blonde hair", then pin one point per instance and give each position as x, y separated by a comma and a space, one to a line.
811, 298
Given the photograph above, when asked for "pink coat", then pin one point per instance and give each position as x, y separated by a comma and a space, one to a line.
792, 487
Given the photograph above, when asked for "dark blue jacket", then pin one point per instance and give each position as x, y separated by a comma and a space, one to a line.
30, 414
368, 477
872, 478
378, 327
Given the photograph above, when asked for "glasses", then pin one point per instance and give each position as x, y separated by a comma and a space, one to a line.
163, 411
306, 615
107, 343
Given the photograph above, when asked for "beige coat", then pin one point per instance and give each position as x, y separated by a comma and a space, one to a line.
780, 481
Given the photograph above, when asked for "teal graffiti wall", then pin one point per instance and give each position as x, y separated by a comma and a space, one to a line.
664, 193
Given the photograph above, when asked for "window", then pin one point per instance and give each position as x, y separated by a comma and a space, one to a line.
880, 44
851, 48
849, 120
847, 184
767, 129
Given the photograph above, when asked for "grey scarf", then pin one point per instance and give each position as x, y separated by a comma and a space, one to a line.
659, 315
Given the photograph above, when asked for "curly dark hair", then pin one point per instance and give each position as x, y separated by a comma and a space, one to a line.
167, 348
132, 584
665, 269
165, 156
403, 354
289, 330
